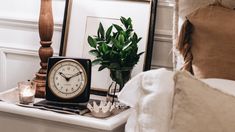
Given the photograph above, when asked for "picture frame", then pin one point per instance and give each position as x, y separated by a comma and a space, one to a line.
82, 18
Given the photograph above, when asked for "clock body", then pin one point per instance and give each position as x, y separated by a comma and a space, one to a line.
68, 80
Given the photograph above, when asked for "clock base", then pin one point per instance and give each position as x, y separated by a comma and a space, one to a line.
63, 108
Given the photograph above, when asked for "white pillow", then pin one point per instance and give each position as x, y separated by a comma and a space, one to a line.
150, 95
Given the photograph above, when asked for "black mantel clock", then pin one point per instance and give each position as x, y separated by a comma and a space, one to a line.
68, 80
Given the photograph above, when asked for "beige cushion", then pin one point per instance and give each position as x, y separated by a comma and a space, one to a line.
213, 42
183, 8
210, 50
197, 107
188, 6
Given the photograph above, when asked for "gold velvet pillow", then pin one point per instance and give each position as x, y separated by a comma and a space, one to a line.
207, 42
197, 107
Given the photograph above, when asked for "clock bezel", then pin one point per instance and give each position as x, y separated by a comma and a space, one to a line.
85, 78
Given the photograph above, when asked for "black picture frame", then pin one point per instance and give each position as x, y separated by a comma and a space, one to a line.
151, 32
152, 27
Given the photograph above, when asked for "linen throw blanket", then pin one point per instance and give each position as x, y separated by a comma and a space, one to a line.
150, 96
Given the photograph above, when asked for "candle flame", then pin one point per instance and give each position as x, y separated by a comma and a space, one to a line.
27, 92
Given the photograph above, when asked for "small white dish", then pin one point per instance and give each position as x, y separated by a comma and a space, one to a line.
104, 109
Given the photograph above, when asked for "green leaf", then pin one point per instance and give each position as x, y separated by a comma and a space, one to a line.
96, 62
109, 32
128, 32
98, 34
127, 42
108, 41
116, 47
123, 19
128, 49
101, 31
117, 44
140, 53
115, 52
124, 22
119, 29
138, 40
114, 66
121, 39
104, 47
99, 42
101, 68
135, 37
91, 41
105, 62
97, 38
115, 35
94, 53
129, 22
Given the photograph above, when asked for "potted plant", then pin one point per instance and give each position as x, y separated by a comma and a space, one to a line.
116, 49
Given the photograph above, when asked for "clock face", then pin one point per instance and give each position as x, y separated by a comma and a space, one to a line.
67, 79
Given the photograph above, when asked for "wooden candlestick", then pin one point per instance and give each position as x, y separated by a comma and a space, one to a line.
46, 27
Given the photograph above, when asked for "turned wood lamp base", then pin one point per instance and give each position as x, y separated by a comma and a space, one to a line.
46, 28
40, 81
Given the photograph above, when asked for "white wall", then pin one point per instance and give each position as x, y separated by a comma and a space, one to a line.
19, 39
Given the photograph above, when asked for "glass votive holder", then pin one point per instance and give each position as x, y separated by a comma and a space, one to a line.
26, 92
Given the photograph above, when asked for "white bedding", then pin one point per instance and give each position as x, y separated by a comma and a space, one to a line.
150, 96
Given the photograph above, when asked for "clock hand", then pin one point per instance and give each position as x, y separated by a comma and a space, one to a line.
62, 74
74, 75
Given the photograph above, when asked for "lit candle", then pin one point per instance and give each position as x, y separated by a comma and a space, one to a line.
26, 92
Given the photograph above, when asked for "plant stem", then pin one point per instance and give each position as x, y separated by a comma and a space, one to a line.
114, 92
109, 88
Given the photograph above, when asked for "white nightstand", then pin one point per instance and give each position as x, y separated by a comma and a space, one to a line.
15, 118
